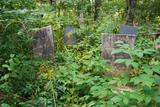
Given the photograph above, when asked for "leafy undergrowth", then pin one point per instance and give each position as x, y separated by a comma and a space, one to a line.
78, 76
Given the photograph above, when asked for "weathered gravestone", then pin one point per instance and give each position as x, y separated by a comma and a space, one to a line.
108, 44
69, 35
43, 45
125, 29
127, 35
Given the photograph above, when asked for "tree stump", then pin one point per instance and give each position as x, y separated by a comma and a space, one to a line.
43, 45
108, 44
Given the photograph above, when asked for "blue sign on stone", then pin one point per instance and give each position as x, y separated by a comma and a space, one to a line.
125, 29
69, 34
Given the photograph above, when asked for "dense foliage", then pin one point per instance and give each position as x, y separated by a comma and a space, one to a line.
78, 76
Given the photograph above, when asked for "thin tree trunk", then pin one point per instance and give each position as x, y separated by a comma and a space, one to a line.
97, 9
55, 7
81, 19
53, 2
131, 4
50, 1
128, 11
59, 7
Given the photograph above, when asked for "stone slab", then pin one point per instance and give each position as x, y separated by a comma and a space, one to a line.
69, 34
43, 44
125, 29
108, 44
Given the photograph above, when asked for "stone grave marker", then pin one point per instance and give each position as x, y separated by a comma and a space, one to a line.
69, 35
108, 44
43, 45
125, 29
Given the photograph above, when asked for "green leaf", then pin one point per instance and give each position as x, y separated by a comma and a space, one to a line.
116, 51
144, 79
5, 77
157, 79
156, 69
7, 66
116, 99
119, 42
147, 100
5, 105
134, 64
147, 80
135, 80
137, 96
138, 53
148, 51
157, 98
128, 62
92, 103
12, 55
120, 61
125, 101
110, 104
148, 70
132, 106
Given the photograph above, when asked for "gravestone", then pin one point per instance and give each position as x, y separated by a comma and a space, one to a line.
125, 29
43, 45
108, 44
69, 35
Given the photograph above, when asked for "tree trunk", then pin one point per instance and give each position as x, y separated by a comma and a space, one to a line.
53, 2
131, 4
97, 9
81, 19
55, 6
50, 1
